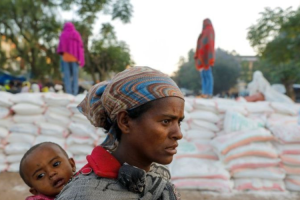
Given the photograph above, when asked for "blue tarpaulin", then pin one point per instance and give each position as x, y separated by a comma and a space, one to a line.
6, 76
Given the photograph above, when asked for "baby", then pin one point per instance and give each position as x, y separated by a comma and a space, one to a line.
46, 168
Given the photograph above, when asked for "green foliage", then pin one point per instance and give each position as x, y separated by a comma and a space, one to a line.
267, 27
276, 39
34, 27
187, 76
108, 54
105, 53
225, 71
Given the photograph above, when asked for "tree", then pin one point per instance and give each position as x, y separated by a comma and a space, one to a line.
225, 71
103, 53
187, 76
34, 28
107, 54
276, 39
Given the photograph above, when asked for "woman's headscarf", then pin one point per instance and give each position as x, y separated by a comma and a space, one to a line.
70, 42
205, 50
129, 89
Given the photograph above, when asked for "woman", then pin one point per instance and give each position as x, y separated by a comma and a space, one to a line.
141, 108
72, 51
205, 57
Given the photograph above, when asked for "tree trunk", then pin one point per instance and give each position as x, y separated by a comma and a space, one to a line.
290, 91
34, 71
88, 61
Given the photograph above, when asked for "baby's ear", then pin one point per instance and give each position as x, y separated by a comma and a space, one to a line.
72, 163
33, 191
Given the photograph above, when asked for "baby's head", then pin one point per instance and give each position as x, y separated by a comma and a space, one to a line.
46, 168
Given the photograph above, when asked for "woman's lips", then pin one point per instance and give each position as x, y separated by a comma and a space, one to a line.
172, 149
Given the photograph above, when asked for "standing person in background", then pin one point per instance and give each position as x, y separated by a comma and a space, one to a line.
205, 58
72, 51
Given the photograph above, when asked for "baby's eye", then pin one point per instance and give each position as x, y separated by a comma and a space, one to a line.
40, 176
56, 164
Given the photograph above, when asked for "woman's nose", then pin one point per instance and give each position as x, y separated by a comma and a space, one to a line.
176, 132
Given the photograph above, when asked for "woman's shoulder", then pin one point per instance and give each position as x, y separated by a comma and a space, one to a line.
92, 187
161, 171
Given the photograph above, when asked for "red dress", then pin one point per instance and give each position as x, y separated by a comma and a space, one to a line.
205, 50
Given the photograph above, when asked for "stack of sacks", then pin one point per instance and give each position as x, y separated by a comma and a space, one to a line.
28, 109
50, 132
5, 121
101, 134
199, 126
77, 117
3, 164
285, 114
283, 123
234, 121
5, 124
187, 109
288, 145
202, 122
196, 167
259, 111
57, 112
4, 112
81, 142
224, 105
21, 138
3, 135
83, 135
5, 102
57, 116
73, 105
251, 159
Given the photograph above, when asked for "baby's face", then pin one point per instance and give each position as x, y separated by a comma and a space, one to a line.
48, 169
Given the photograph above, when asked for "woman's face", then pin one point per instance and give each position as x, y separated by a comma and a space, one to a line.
153, 136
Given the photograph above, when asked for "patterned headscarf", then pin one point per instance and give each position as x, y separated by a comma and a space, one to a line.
129, 89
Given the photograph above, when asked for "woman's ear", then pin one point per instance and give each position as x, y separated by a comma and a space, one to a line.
33, 191
123, 121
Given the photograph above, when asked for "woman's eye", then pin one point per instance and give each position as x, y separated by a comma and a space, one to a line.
40, 176
56, 164
165, 121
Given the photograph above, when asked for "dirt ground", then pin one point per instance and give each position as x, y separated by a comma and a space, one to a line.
12, 188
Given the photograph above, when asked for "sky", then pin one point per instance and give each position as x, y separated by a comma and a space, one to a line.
162, 31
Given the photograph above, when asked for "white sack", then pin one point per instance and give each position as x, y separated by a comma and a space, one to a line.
28, 109
24, 128
34, 119
5, 99
30, 98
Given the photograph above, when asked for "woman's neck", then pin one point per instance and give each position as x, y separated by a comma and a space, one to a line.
124, 155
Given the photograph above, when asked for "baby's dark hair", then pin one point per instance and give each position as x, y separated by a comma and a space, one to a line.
30, 151
133, 114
